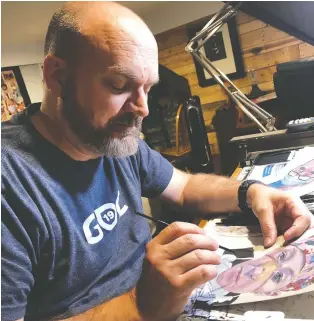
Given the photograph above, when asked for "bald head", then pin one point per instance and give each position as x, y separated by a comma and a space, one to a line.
78, 25
101, 61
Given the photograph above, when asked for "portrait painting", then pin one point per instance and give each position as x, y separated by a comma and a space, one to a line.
268, 274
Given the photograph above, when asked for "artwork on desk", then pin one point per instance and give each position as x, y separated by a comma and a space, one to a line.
222, 49
14, 96
268, 274
297, 175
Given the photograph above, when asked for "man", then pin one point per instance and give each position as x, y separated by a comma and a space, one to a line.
74, 169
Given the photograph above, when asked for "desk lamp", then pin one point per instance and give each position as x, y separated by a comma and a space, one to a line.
262, 118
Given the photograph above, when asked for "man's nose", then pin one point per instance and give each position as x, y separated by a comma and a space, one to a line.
138, 104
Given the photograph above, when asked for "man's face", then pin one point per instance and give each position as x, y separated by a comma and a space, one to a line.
267, 274
105, 98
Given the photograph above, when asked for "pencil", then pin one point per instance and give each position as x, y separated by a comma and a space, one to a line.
167, 224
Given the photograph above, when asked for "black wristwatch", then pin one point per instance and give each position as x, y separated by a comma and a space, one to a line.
242, 191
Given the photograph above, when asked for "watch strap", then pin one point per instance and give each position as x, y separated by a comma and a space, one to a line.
242, 194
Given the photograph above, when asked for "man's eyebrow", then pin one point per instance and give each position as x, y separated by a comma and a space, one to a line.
124, 72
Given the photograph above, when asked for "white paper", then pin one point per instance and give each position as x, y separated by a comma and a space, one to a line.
269, 171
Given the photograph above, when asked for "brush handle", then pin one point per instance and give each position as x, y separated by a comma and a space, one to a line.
166, 224
152, 219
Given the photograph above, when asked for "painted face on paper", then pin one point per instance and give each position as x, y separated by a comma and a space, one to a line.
267, 274
304, 173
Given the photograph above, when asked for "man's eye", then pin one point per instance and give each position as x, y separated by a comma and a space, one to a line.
277, 277
281, 256
119, 88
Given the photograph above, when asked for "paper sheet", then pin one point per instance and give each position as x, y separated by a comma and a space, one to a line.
262, 172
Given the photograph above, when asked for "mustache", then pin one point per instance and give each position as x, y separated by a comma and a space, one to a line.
128, 119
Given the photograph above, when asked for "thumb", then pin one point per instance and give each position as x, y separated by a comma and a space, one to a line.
268, 225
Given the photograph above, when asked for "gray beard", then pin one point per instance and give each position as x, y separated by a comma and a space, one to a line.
116, 147
100, 140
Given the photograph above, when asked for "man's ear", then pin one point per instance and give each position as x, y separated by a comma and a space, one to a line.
55, 74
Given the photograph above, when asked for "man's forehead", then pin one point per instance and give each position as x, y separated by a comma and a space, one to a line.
149, 74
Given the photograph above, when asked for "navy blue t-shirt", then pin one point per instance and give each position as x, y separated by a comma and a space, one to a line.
70, 236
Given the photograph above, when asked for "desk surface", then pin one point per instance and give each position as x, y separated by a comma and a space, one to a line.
294, 307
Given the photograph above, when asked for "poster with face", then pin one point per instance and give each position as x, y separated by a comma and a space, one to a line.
12, 100
278, 272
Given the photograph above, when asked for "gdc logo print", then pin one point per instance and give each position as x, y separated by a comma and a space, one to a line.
104, 217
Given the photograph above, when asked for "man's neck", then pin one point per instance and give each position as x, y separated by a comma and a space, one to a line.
57, 132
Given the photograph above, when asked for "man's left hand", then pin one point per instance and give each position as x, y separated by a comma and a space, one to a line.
278, 211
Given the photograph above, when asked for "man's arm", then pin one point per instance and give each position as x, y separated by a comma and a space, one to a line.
275, 209
202, 193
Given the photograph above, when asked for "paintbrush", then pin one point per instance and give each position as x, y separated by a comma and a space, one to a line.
167, 224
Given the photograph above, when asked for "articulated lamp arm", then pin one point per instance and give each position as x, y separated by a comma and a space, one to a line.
262, 118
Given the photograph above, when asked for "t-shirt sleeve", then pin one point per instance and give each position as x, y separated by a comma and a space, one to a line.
17, 278
155, 171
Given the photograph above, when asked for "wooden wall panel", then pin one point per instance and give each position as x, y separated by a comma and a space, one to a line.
172, 37
178, 60
251, 26
261, 75
272, 45
260, 37
178, 49
272, 58
242, 17
306, 50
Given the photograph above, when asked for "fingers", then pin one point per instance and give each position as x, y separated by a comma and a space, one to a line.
189, 242
268, 225
299, 226
198, 276
175, 230
194, 259
301, 218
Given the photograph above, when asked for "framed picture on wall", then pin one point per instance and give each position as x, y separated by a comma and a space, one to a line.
14, 95
223, 50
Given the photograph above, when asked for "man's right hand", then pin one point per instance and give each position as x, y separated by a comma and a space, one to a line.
177, 261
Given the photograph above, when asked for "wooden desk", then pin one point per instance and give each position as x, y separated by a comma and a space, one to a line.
294, 307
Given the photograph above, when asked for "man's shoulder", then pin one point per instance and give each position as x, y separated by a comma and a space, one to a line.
18, 132
17, 145
144, 149
14, 135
